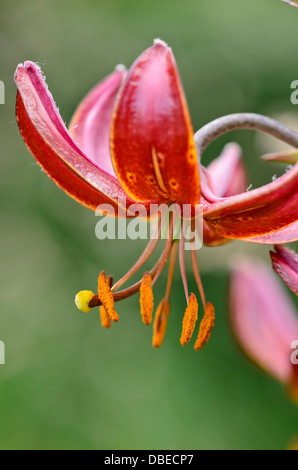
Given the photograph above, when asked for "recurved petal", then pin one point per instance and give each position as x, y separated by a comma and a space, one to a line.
259, 212
152, 144
211, 238
263, 319
285, 263
49, 141
228, 171
224, 177
286, 235
91, 124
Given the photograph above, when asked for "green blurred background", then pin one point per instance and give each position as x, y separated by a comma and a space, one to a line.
67, 383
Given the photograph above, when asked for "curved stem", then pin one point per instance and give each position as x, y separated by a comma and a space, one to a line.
231, 122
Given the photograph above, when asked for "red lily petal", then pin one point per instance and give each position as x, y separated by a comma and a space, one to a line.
91, 123
263, 319
212, 184
268, 209
210, 238
59, 172
152, 144
46, 136
285, 263
286, 235
226, 176
228, 172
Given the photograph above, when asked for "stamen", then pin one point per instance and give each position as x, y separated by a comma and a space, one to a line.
163, 310
143, 258
167, 249
189, 320
104, 317
160, 323
172, 264
125, 293
196, 272
182, 263
146, 298
83, 299
205, 327
106, 296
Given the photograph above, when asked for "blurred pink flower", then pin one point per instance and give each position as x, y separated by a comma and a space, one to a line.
264, 321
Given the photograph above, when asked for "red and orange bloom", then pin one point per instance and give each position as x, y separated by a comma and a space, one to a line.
131, 139
265, 322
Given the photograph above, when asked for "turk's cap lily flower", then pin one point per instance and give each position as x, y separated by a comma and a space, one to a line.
131, 141
131, 138
264, 320
285, 263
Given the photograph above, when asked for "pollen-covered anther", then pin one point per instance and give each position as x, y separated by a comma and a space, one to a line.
104, 317
106, 296
146, 298
205, 327
82, 300
189, 320
160, 323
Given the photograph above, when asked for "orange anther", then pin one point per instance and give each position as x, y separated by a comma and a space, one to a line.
104, 317
106, 296
189, 320
205, 327
160, 323
146, 298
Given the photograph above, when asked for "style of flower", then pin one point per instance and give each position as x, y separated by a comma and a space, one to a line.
131, 139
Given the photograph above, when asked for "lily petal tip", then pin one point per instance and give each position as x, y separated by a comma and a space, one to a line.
120, 68
160, 42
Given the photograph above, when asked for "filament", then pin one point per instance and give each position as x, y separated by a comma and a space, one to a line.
182, 262
196, 272
143, 258
172, 264
167, 249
